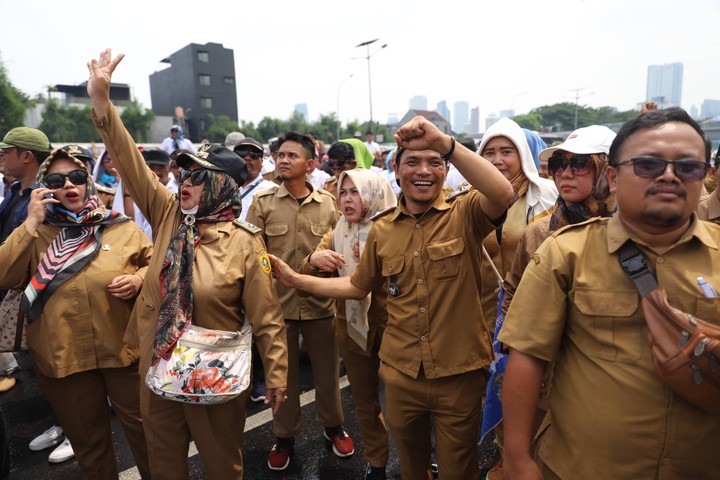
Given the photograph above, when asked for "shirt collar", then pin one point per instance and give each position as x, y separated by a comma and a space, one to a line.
618, 233
438, 204
314, 195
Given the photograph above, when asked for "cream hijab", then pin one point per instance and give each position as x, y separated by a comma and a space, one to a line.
349, 238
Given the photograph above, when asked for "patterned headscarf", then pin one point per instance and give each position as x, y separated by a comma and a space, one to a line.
377, 195
219, 202
75, 246
600, 202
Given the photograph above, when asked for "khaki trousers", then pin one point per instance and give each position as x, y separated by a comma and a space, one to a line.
217, 431
362, 372
79, 402
321, 346
453, 404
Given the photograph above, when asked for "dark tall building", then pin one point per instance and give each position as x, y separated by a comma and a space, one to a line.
201, 81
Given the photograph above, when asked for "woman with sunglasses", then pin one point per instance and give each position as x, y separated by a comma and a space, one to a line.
83, 266
578, 167
210, 271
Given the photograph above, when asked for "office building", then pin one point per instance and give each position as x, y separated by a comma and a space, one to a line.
461, 112
200, 82
418, 102
664, 84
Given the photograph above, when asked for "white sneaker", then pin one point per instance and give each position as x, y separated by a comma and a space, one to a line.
62, 453
49, 438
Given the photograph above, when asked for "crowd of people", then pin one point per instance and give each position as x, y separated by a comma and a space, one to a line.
423, 267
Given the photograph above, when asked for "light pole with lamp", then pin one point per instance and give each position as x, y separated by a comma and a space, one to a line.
577, 98
367, 57
337, 108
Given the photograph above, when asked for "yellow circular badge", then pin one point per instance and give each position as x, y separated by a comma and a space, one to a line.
265, 262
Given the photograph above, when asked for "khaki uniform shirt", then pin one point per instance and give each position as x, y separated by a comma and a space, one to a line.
106, 195
502, 255
377, 313
709, 208
291, 232
435, 323
82, 325
610, 415
231, 278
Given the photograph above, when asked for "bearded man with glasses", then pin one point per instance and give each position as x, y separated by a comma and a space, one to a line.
610, 415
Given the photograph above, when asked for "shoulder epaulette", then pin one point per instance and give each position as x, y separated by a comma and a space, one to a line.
382, 212
268, 191
248, 226
457, 193
574, 226
104, 189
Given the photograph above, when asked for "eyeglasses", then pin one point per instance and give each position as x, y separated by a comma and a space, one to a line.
651, 167
579, 165
254, 155
107, 159
57, 180
196, 176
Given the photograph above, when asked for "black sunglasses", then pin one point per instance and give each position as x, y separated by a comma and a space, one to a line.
196, 176
57, 180
651, 167
253, 154
579, 165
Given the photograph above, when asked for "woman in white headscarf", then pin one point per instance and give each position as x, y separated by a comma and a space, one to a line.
359, 324
505, 146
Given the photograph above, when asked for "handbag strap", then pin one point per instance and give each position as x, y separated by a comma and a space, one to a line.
635, 265
492, 265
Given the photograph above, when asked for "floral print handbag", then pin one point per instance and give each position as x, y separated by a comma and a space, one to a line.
205, 367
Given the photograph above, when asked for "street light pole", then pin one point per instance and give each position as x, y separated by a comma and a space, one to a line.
337, 109
367, 57
577, 98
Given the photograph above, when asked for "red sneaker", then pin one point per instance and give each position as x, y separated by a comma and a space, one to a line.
279, 456
342, 445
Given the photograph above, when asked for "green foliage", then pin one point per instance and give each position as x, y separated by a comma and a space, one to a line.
137, 120
13, 103
560, 117
220, 126
68, 124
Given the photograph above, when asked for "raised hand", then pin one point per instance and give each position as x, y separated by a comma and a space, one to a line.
420, 134
98, 86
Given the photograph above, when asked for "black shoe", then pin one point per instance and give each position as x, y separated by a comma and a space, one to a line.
375, 473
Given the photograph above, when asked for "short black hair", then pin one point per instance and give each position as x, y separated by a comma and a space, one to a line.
303, 140
468, 143
369, 132
274, 146
39, 156
653, 119
341, 151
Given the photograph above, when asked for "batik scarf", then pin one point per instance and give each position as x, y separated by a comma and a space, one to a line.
219, 202
75, 246
520, 185
349, 238
600, 202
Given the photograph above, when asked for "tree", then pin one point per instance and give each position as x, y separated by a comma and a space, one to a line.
220, 126
68, 124
270, 127
13, 103
137, 120
531, 121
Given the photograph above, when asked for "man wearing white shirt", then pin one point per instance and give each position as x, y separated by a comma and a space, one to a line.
372, 145
251, 151
176, 141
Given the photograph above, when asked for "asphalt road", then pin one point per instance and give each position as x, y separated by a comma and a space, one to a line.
26, 415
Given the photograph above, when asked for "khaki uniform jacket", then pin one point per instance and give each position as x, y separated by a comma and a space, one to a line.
82, 325
291, 232
230, 276
709, 208
435, 322
610, 415
377, 313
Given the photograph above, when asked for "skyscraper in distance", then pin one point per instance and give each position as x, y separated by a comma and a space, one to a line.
443, 109
664, 84
418, 102
460, 117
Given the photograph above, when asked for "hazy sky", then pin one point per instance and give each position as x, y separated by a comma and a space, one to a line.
495, 55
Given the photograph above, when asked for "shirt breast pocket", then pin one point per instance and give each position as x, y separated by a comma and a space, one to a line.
608, 328
320, 230
446, 256
275, 233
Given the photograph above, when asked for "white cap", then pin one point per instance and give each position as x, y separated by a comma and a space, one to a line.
592, 139
232, 139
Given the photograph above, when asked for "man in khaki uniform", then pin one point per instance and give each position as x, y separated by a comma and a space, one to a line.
294, 217
709, 206
436, 341
610, 415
